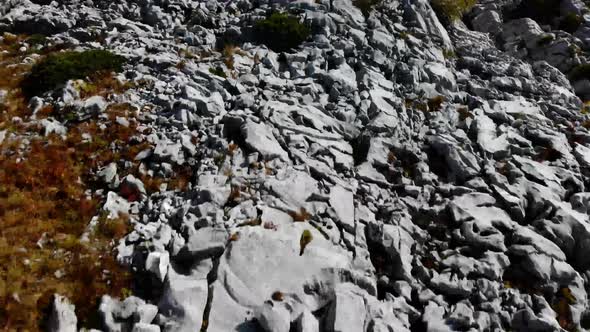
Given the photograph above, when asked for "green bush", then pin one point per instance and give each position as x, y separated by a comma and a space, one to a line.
365, 5
570, 22
281, 32
57, 69
542, 11
217, 71
545, 40
580, 72
37, 39
452, 10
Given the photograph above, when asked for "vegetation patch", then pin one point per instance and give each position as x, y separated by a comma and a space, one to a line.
44, 209
218, 71
281, 32
570, 22
545, 39
433, 104
57, 69
301, 215
580, 72
305, 239
452, 10
46, 205
37, 40
545, 12
542, 11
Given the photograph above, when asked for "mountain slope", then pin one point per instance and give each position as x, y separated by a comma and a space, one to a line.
389, 174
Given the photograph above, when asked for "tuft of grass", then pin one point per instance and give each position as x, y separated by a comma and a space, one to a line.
181, 65
570, 22
545, 40
435, 103
103, 84
452, 10
57, 69
301, 215
580, 72
37, 40
464, 113
305, 239
218, 71
449, 54
112, 228
234, 237
251, 222
278, 296
281, 32
228, 55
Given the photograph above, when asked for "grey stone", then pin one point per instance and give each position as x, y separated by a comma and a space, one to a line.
260, 138
157, 263
143, 327
108, 175
62, 317
342, 201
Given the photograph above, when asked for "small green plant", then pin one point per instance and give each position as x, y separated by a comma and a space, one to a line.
365, 5
580, 72
570, 22
306, 238
453, 10
218, 71
545, 40
574, 50
449, 54
57, 69
281, 32
37, 39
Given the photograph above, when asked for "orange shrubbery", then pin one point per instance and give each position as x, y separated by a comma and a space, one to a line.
44, 209
43, 212
48, 196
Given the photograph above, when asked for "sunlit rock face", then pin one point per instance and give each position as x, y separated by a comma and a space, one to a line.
396, 171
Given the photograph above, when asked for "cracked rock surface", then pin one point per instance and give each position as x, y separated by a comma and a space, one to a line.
389, 174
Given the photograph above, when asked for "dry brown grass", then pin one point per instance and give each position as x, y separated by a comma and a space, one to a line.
301, 215
44, 208
12, 71
44, 182
453, 10
464, 113
42, 196
278, 296
179, 181
104, 84
228, 55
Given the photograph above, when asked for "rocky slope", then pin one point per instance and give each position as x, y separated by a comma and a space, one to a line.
390, 174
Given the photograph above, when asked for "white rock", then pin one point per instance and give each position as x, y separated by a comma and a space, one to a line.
157, 263
260, 138
62, 317
342, 201
116, 205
